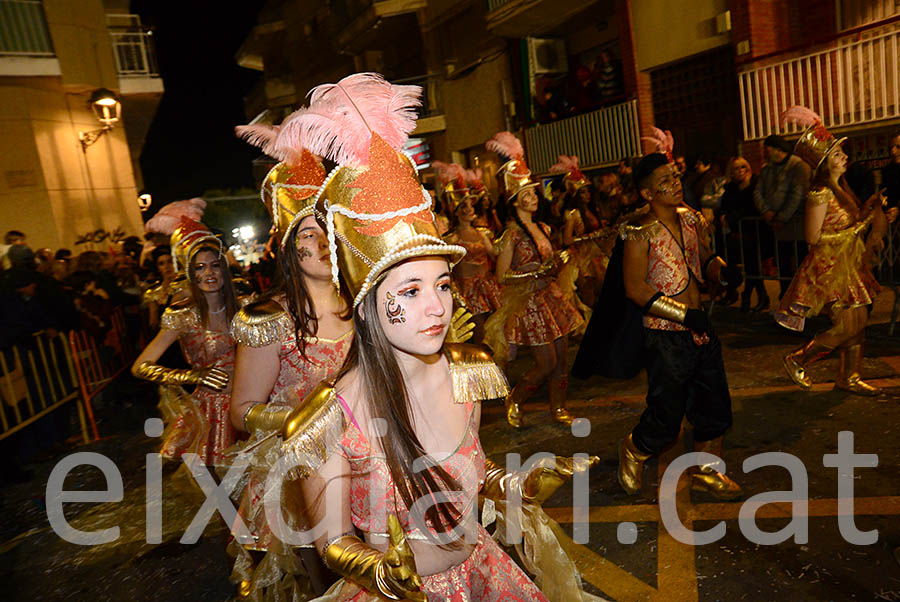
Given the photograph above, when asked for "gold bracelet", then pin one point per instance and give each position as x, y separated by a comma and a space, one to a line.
669, 308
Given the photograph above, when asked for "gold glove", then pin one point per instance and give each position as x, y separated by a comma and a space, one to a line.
545, 269
461, 326
537, 484
214, 378
391, 574
262, 418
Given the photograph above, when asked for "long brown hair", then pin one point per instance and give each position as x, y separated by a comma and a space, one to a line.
231, 305
289, 281
372, 355
843, 193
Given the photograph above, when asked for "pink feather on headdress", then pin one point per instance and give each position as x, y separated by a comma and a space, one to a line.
565, 164
342, 117
506, 144
664, 141
801, 116
168, 218
474, 178
263, 136
448, 172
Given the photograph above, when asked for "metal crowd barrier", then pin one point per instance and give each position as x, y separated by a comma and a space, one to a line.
762, 256
42, 376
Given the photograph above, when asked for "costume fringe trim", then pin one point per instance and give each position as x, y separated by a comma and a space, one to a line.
180, 319
316, 431
820, 196
259, 331
477, 382
644, 232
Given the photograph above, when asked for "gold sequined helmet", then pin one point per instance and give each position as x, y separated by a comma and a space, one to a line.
289, 189
375, 210
187, 239
180, 220
515, 173
816, 142
452, 179
574, 180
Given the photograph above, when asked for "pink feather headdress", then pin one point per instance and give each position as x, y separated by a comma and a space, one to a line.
169, 217
663, 140
565, 164
449, 173
506, 144
474, 179
263, 136
342, 117
801, 116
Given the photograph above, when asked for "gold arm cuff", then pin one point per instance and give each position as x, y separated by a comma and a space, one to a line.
167, 376
669, 308
351, 558
261, 417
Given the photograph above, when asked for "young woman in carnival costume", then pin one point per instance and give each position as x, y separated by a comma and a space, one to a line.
535, 312
485, 210
287, 342
391, 447
201, 324
473, 276
582, 235
835, 276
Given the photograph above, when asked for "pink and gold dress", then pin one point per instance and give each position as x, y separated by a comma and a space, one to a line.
202, 348
478, 288
296, 378
834, 274
539, 313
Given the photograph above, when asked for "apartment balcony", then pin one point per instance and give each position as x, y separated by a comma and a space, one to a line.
134, 54
374, 23
25, 45
431, 113
851, 82
599, 138
525, 18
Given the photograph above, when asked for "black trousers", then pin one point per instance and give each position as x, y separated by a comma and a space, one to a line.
684, 380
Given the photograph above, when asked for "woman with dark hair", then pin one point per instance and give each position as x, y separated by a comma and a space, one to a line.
200, 324
535, 313
834, 277
486, 215
296, 336
390, 450
473, 276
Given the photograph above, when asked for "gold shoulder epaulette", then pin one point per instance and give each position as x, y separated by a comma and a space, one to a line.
262, 323
180, 315
313, 430
819, 196
632, 231
154, 294
474, 374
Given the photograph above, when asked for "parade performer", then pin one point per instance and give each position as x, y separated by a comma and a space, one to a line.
473, 276
582, 234
200, 323
658, 267
485, 209
297, 335
834, 277
172, 285
404, 395
535, 312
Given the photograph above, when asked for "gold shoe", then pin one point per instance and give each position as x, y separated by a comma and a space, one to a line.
707, 479
517, 395
796, 361
848, 373
631, 466
243, 588
558, 411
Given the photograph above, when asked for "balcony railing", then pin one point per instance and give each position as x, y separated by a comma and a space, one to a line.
598, 138
23, 29
853, 83
495, 4
134, 54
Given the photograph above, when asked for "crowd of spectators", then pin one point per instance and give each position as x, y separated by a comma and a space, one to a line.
584, 89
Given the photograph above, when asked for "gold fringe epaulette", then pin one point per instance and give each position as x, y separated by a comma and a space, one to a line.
638, 232
262, 323
819, 196
474, 374
182, 315
313, 430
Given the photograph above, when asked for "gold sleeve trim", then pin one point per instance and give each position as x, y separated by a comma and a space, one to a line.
262, 323
819, 196
180, 318
639, 232
313, 430
474, 374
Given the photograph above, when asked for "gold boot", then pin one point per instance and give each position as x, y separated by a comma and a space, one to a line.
516, 396
631, 466
707, 479
796, 361
558, 411
848, 373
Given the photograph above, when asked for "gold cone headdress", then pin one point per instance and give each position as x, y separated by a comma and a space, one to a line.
515, 173
375, 210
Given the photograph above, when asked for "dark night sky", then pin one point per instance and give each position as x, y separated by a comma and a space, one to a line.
191, 145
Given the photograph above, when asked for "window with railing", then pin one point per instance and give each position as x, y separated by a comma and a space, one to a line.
132, 46
23, 29
856, 13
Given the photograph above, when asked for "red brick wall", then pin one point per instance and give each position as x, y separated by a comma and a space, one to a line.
637, 84
776, 25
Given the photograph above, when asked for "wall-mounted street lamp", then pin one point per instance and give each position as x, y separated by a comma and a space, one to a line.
107, 108
144, 201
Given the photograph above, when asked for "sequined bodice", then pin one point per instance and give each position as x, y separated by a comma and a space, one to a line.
373, 495
669, 267
525, 251
476, 253
297, 377
836, 216
207, 348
